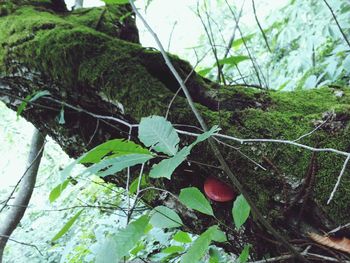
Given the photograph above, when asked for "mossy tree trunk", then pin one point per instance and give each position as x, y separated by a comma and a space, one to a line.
91, 62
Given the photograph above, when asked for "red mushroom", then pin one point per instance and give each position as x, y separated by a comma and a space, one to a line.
217, 190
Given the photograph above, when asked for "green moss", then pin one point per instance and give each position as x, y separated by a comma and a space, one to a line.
68, 51
288, 116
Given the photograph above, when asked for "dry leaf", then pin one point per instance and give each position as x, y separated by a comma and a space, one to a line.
341, 244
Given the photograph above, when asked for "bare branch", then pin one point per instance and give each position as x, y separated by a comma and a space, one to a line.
336, 21
338, 180
259, 25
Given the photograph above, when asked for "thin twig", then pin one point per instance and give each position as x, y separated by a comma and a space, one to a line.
338, 228
313, 149
213, 145
22, 243
179, 89
171, 35
245, 45
279, 258
232, 38
212, 44
128, 183
336, 21
338, 180
311, 132
259, 25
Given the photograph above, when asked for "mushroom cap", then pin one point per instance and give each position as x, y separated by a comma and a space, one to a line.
217, 190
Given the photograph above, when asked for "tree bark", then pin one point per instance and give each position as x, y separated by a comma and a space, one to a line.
93, 67
25, 190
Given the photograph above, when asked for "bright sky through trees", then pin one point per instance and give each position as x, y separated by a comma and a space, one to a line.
164, 14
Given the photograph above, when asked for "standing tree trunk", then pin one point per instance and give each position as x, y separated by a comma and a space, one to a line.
96, 72
25, 190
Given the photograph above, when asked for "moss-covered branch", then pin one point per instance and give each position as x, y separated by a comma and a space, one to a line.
88, 64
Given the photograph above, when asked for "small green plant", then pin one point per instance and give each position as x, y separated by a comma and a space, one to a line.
113, 156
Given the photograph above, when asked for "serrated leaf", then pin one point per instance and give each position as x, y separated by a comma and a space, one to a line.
240, 211
123, 241
215, 129
115, 247
116, 2
200, 245
114, 165
158, 133
182, 237
163, 217
66, 227
57, 191
194, 199
117, 147
127, 238
165, 168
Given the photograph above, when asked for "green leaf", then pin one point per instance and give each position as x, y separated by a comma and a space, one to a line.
237, 43
114, 165
22, 106
56, 192
105, 251
243, 257
233, 60
200, 245
240, 211
215, 129
218, 236
204, 72
116, 2
172, 250
133, 185
117, 147
158, 133
194, 199
67, 226
127, 238
166, 167
31, 98
163, 217
139, 247
182, 237
214, 255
